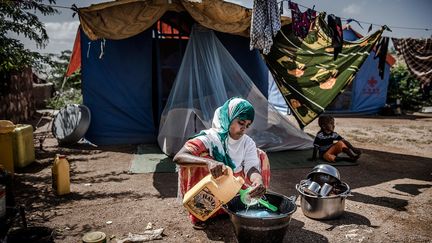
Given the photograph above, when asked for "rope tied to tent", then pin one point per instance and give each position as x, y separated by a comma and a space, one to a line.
102, 46
88, 49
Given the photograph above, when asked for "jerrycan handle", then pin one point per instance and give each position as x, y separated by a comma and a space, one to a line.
230, 173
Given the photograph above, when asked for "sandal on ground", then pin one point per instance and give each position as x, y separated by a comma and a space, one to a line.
357, 151
200, 225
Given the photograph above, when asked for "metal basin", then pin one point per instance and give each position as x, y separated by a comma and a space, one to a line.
329, 207
270, 227
71, 123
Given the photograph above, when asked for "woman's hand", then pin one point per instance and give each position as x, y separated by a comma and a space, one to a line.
258, 189
217, 169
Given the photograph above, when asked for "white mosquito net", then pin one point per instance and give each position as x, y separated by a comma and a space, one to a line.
208, 76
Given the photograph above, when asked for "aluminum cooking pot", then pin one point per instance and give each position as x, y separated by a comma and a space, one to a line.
317, 207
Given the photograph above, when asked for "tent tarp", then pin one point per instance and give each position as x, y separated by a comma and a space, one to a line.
120, 91
117, 88
125, 18
367, 94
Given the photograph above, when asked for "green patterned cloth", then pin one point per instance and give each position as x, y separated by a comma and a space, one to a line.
305, 70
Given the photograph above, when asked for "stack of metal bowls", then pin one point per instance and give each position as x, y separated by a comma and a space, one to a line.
322, 193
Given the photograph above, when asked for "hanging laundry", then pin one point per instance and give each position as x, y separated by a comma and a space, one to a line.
306, 72
335, 25
281, 8
301, 22
417, 54
381, 53
351, 20
265, 24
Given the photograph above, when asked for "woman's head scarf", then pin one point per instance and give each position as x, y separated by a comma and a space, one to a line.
233, 108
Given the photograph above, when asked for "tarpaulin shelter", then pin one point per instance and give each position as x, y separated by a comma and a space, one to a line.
129, 60
367, 93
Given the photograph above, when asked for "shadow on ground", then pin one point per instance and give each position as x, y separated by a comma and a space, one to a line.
374, 168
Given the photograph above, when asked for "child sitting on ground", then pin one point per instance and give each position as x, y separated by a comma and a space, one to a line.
330, 144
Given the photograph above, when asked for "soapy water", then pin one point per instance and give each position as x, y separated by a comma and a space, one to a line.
249, 201
257, 213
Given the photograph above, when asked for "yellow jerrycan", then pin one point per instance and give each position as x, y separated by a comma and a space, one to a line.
208, 195
60, 175
6, 145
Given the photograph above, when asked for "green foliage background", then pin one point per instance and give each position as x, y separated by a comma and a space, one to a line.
19, 17
68, 88
404, 86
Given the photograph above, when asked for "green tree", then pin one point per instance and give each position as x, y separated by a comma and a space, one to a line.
403, 86
68, 88
57, 69
19, 17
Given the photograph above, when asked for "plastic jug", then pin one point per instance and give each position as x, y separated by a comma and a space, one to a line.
208, 195
6, 145
23, 146
60, 175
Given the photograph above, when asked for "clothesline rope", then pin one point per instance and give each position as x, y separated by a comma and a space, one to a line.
343, 18
42, 4
364, 22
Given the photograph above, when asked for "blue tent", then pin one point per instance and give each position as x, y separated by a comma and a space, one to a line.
125, 83
367, 93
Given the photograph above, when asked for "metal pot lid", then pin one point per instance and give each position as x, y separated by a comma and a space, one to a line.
326, 169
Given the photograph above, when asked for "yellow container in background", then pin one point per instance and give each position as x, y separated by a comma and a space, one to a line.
6, 126
23, 146
6, 151
6, 145
61, 175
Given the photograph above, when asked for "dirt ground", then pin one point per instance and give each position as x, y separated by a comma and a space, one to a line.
391, 187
